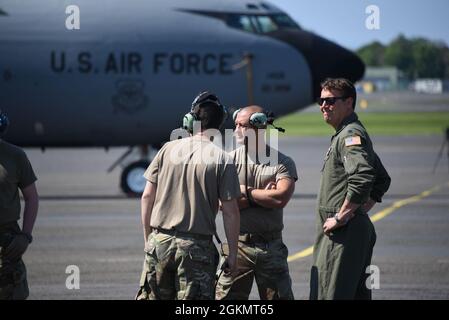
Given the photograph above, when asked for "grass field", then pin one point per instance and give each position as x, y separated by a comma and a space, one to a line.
382, 123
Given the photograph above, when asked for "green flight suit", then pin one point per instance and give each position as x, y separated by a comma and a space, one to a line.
352, 171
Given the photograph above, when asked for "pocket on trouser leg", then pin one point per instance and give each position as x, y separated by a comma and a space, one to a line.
144, 288
198, 270
21, 290
13, 281
273, 278
199, 285
147, 282
275, 261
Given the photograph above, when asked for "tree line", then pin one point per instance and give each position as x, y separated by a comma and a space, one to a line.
416, 57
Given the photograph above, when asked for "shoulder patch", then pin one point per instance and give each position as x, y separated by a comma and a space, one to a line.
353, 141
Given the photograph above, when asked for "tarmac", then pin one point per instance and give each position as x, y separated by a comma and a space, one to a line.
85, 221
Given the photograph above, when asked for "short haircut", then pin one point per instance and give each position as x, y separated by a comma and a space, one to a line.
343, 85
211, 115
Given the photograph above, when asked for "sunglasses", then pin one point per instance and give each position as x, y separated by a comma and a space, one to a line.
330, 100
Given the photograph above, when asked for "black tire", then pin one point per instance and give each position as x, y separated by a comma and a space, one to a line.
133, 171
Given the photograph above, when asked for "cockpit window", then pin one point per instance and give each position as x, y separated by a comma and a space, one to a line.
260, 23
240, 22
266, 24
284, 21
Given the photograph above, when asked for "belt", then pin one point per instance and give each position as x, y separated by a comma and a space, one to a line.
259, 238
176, 233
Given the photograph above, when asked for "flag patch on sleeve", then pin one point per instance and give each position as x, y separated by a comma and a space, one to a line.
353, 141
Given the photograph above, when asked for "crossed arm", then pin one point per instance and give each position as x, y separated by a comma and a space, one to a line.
274, 195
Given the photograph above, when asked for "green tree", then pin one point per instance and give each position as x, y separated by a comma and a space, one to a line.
372, 54
427, 59
417, 58
399, 53
445, 60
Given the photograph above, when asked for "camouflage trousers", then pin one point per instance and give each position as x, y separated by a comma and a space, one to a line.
267, 262
178, 268
13, 279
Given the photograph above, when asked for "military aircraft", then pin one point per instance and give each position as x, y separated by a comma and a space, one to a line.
128, 74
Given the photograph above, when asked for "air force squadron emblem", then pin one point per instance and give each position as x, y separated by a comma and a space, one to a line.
130, 97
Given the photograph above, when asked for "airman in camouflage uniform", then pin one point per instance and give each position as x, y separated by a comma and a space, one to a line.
16, 174
179, 207
261, 254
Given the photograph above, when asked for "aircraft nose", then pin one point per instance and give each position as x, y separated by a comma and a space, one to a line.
325, 58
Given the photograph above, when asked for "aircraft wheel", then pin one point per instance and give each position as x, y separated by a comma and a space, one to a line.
132, 181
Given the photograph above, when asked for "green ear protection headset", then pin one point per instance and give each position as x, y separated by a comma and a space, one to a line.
4, 122
260, 120
201, 99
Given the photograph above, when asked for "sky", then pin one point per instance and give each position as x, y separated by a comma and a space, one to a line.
343, 21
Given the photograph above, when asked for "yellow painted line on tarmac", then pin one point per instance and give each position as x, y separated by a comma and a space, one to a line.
301, 254
378, 216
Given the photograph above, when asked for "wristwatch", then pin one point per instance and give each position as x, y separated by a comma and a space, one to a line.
28, 236
337, 219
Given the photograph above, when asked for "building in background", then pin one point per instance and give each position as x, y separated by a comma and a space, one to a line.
434, 86
382, 79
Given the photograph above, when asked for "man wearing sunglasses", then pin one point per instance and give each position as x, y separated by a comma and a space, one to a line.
353, 180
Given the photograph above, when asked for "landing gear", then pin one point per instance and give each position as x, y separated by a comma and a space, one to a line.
132, 181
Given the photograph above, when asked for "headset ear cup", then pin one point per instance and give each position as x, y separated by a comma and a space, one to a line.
234, 115
258, 120
187, 122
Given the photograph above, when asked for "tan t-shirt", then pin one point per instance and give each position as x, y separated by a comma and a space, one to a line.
258, 219
15, 172
191, 175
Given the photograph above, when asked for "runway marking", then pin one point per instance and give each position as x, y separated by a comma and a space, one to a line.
378, 216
